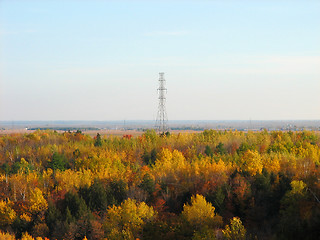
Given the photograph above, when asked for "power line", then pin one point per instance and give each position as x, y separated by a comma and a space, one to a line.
162, 119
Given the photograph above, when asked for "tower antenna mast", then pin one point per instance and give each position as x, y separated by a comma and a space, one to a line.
162, 119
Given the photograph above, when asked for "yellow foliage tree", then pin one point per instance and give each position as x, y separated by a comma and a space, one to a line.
200, 213
251, 162
6, 236
47, 178
170, 162
212, 172
69, 180
130, 215
272, 163
298, 187
25, 217
235, 231
172, 168
7, 214
19, 186
37, 202
26, 236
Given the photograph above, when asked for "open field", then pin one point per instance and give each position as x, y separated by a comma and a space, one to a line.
135, 128
103, 132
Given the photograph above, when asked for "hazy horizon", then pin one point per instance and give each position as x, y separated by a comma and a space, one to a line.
150, 120
223, 60
173, 124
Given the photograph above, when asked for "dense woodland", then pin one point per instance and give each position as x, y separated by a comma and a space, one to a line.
210, 185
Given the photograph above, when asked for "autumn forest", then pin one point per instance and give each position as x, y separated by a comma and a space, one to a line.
208, 185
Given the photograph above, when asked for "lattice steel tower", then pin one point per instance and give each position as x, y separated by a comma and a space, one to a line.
162, 119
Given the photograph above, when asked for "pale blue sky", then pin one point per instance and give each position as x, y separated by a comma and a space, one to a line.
99, 60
